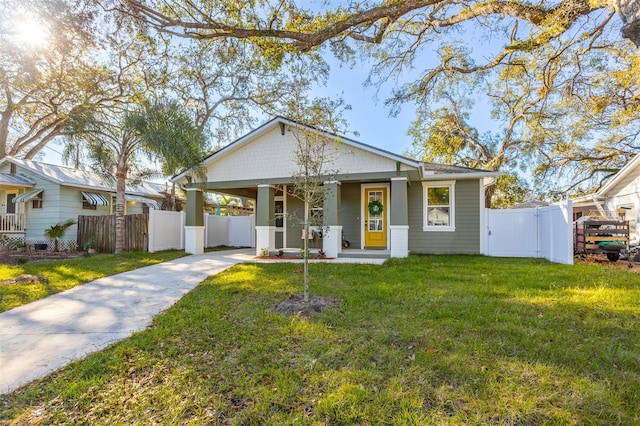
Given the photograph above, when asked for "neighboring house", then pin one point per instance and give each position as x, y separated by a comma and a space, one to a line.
35, 195
531, 204
426, 207
619, 197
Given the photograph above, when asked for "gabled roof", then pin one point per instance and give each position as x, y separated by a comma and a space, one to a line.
281, 121
633, 166
77, 178
62, 175
439, 171
532, 203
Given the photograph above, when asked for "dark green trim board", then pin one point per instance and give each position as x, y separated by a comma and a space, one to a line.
399, 203
350, 213
195, 207
265, 206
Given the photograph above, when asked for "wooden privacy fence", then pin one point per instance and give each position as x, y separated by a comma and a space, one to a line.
103, 230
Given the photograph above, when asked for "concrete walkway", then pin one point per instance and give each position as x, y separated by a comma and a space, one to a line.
45, 335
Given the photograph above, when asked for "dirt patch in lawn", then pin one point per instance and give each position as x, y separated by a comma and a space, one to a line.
602, 260
296, 305
26, 279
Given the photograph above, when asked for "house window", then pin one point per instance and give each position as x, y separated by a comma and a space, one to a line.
439, 208
279, 213
86, 204
36, 202
12, 169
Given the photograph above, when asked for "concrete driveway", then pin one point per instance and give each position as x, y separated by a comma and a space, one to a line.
41, 337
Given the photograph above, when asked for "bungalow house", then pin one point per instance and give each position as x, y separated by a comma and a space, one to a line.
619, 197
377, 200
35, 195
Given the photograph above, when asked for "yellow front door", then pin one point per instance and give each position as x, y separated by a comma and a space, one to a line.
375, 217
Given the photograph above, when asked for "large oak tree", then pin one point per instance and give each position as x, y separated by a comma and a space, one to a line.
74, 60
561, 81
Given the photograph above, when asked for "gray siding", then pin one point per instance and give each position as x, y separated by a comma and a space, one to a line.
351, 211
295, 217
465, 239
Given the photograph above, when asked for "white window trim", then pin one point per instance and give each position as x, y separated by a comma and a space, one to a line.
451, 184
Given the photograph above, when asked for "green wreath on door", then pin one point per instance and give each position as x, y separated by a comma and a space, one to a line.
375, 208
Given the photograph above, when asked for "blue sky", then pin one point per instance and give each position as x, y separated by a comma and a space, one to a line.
369, 116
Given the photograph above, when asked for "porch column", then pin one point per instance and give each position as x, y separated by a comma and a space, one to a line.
265, 219
194, 222
332, 219
399, 221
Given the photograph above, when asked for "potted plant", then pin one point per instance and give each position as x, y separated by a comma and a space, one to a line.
90, 245
57, 231
20, 246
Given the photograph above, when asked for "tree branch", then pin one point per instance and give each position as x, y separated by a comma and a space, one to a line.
552, 21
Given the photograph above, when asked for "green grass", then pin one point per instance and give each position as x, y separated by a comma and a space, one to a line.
426, 340
65, 274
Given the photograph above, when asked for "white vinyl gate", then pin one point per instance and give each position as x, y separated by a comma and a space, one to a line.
545, 232
236, 231
166, 230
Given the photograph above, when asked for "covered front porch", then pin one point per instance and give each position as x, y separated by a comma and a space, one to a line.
366, 218
15, 190
364, 190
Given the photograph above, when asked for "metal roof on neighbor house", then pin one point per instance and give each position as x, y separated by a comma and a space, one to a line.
63, 175
17, 180
82, 179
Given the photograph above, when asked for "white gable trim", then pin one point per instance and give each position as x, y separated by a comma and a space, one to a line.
601, 195
630, 167
281, 121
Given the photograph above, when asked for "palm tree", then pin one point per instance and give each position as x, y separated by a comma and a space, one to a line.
57, 231
155, 130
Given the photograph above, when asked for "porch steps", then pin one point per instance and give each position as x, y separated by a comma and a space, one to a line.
365, 254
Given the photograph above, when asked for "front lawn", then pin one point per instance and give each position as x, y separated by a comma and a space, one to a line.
426, 340
62, 275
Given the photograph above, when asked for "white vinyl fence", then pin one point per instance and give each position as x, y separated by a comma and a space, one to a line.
236, 231
166, 230
545, 232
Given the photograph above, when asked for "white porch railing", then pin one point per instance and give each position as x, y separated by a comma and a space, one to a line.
12, 223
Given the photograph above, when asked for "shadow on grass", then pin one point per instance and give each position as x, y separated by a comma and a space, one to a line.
427, 340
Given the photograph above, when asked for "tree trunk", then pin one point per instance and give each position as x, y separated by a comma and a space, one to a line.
305, 247
488, 195
4, 131
120, 190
